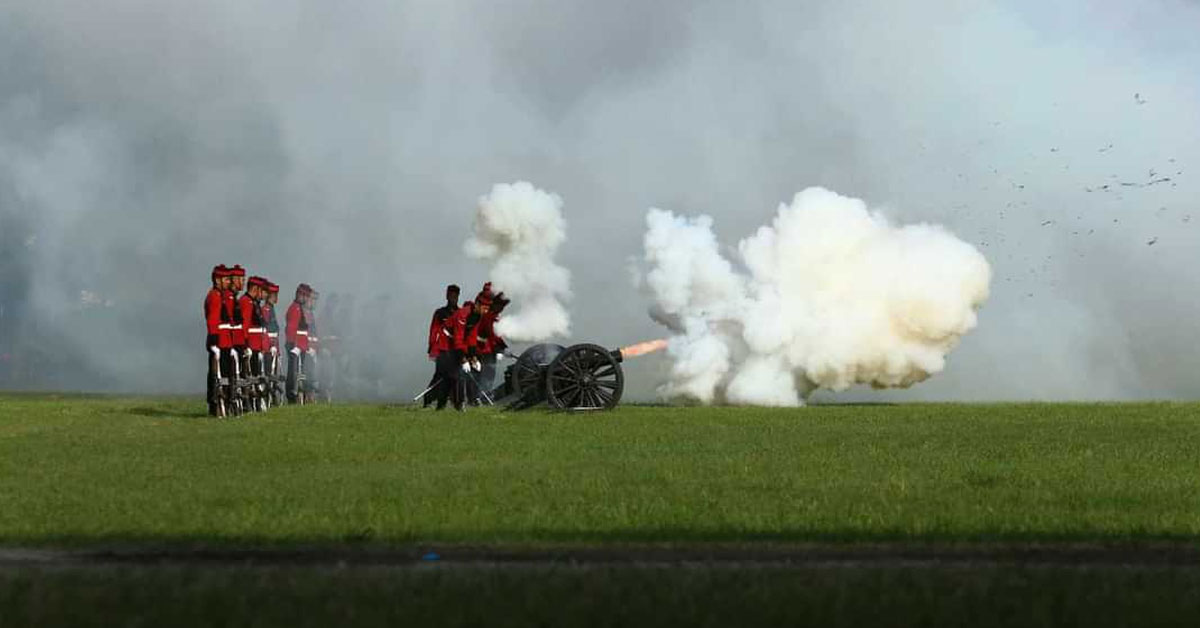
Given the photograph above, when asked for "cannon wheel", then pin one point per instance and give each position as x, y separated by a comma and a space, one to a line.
584, 377
529, 371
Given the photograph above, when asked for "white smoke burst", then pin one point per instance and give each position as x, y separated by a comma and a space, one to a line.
831, 295
518, 229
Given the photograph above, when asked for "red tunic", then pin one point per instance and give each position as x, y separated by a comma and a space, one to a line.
252, 322
271, 325
216, 319
314, 340
440, 335
237, 329
465, 331
296, 327
488, 342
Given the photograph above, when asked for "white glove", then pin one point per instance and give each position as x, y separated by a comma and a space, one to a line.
499, 357
476, 366
295, 351
466, 367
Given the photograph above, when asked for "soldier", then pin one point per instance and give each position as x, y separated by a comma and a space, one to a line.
490, 346
312, 373
296, 337
463, 362
252, 354
219, 339
439, 338
271, 322
235, 366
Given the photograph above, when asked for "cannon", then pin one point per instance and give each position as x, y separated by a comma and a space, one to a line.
578, 377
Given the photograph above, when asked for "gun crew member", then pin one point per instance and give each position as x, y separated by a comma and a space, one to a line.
489, 346
465, 330
440, 339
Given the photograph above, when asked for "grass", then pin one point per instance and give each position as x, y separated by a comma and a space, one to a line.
87, 471
127, 474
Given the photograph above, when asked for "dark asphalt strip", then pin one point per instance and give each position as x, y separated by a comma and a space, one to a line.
925, 555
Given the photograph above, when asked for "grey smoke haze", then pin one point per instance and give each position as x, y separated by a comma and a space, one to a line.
142, 141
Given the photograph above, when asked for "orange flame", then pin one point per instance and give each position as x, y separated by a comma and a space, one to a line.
642, 348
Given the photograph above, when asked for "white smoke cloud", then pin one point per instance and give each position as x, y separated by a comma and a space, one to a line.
832, 295
518, 229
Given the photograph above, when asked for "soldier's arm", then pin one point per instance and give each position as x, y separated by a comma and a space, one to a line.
212, 313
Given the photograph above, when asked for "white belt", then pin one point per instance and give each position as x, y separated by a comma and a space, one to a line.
224, 326
257, 330
235, 327
272, 334
301, 333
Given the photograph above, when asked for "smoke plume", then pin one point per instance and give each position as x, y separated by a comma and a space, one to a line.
143, 142
831, 295
518, 229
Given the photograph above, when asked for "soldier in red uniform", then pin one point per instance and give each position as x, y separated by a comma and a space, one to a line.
219, 339
233, 367
250, 311
271, 345
458, 366
439, 339
296, 337
271, 342
490, 346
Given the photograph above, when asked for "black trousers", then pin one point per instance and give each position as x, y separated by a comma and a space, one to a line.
297, 364
448, 372
431, 388
487, 374
214, 372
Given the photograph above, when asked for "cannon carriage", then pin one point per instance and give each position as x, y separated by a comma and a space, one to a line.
579, 377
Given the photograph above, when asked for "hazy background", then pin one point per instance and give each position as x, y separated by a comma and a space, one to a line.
144, 141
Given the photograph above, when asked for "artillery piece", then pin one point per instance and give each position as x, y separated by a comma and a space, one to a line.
578, 377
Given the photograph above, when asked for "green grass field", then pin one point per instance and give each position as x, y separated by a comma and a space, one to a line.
87, 473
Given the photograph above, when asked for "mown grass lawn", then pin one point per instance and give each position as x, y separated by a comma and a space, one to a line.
85, 471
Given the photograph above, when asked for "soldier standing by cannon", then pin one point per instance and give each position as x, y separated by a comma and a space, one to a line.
439, 341
455, 367
489, 346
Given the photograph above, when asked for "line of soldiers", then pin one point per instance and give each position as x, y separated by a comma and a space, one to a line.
464, 347
243, 344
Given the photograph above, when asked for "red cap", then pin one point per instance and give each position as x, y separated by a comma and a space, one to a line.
257, 281
220, 271
273, 288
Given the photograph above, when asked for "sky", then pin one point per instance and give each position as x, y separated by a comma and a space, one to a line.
142, 142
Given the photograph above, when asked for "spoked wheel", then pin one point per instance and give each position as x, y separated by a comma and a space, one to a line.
529, 372
584, 377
